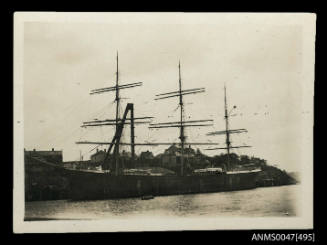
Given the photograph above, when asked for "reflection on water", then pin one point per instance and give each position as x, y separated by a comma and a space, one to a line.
260, 202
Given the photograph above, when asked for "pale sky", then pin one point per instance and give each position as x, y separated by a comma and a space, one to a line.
265, 60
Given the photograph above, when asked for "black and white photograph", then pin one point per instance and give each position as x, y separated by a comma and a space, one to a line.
163, 121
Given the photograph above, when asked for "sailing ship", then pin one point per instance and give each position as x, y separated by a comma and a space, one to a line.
115, 181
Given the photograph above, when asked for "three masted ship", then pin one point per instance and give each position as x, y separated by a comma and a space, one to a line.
114, 181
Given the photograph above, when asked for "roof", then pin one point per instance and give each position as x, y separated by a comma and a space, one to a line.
204, 170
176, 149
44, 152
98, 152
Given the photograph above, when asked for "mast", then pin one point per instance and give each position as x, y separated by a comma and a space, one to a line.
181, 123
227, 130
182, 137
117, 115
117, 121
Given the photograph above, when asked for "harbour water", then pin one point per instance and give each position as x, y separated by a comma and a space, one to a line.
279, 201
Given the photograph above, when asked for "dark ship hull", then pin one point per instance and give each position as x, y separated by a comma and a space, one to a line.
92, 186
